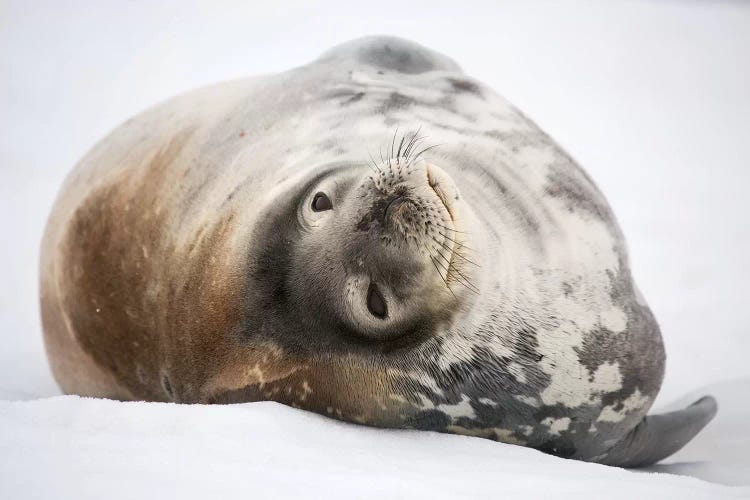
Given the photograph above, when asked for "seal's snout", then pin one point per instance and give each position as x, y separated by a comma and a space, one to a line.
412, 211
405, 207
409, 201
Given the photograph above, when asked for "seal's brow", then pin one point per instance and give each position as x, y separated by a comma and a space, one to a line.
319, 177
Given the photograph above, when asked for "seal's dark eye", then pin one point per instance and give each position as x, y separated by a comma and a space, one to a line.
376, 302
321, 202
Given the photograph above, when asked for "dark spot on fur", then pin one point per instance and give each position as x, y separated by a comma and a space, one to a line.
356, 97
394, 102
167, 385
433, 420
517, 140
345, 96
398, 55
564, 183
488, 415
460, 85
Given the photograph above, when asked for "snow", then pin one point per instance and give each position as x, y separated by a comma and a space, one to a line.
650, 97
130, 450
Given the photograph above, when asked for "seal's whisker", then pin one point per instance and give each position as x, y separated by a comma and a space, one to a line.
393, 144
425, 150
454, 241
465, 281
455, 274
447, 260
412, 157
445, 245
414, 138
442, 244
445, 267
450, 228
401, 145
415, 142
441, 277
455, 251
373, 161
462, 257
461, 246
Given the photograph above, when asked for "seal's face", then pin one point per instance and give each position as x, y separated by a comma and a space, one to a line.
351, 273
376, 250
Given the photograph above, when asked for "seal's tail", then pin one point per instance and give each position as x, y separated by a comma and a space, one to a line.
658, 436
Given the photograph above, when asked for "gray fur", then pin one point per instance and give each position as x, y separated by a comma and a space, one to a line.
547, 344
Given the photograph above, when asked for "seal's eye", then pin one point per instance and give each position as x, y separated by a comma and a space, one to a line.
376, 302
321, 202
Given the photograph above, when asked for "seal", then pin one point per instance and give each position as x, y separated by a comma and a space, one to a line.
374, 236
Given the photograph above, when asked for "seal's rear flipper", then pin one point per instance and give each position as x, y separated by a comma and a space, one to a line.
658, 436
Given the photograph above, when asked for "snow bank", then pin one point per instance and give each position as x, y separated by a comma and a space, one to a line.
71, 447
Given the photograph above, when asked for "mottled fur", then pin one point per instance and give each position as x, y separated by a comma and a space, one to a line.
175, 268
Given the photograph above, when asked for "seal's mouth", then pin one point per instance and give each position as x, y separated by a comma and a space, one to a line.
450, 259
443, 186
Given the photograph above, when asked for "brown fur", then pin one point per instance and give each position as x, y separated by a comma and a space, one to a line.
130, 314
122, 278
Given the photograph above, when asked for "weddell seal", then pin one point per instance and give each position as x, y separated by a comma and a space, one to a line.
375, 237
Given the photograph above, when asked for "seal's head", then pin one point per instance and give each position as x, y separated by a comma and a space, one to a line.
353, 273
376, 251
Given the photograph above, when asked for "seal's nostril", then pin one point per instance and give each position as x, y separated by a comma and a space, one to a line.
393, 206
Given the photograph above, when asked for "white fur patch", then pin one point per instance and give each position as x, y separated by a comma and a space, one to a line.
461, 409
556, 426
635, 401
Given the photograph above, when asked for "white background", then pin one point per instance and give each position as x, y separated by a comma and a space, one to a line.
652, 98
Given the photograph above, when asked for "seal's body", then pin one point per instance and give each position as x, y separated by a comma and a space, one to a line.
294, 238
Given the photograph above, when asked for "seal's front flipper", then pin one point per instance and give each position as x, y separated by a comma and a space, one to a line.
658, 436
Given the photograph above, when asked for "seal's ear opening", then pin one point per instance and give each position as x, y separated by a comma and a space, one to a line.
375, 302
